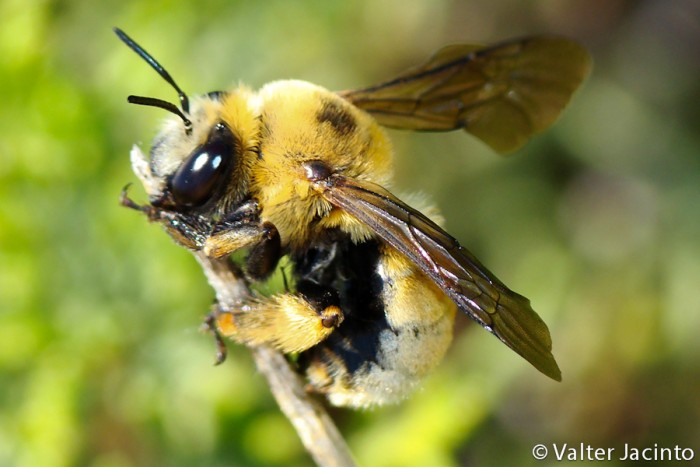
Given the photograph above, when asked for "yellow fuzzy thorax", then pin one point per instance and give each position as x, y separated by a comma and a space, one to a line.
301, 122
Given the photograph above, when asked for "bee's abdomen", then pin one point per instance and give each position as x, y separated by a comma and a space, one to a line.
397, 324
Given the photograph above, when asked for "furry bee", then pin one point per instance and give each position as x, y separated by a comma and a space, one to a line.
299, 171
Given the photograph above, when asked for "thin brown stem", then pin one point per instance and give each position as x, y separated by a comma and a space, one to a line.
314, 426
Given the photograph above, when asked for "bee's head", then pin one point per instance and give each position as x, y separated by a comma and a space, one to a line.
195, 156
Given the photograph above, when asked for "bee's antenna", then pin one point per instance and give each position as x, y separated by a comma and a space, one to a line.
184, 101
161, 104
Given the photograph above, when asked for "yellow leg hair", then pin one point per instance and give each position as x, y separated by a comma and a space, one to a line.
287, 322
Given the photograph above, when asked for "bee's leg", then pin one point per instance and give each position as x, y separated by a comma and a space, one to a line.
187, 230
288, 322
264, 255
242, 228
325, 300
209, 326
239, 229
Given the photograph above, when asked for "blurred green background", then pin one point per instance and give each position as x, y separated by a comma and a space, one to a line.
597, 222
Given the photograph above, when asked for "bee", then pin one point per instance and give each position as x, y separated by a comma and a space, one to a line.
299, 171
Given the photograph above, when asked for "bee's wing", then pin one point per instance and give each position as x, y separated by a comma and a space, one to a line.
501, 94
474, 289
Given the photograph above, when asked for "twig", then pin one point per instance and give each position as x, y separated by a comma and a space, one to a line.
314, 426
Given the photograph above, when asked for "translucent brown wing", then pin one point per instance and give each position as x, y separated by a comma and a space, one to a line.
502, 94
467, 282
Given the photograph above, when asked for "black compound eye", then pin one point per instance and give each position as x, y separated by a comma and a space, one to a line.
200, 176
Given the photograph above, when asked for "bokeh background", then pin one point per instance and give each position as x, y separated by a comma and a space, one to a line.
597, 221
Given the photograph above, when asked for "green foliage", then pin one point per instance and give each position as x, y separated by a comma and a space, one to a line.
101, 358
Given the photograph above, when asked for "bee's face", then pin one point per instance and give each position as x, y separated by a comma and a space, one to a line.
202, 164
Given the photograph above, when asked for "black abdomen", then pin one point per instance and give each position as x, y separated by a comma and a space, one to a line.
384, 346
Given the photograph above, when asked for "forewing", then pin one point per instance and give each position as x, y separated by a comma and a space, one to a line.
473, 288
502, 94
